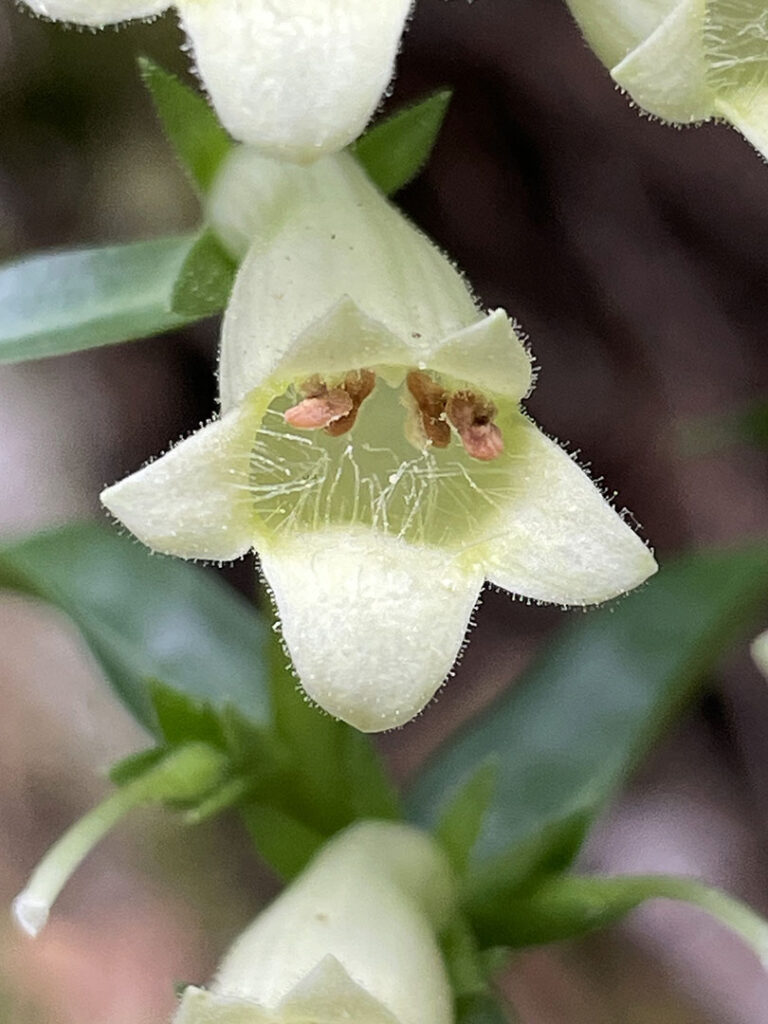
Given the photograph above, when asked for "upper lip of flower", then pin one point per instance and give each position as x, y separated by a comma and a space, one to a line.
299, 79
375, 551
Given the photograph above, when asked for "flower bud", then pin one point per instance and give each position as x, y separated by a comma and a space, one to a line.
353, 938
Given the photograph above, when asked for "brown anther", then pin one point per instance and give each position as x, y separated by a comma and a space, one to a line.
358, 384
320, 410
472, 416
430, 400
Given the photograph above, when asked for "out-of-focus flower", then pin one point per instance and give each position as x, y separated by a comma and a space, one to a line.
372, 448
352, 939
686, 60
295, 77
760, 652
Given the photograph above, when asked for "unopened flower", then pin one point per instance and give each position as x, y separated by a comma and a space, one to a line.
686, 60
295, 77
372, 448
352, 939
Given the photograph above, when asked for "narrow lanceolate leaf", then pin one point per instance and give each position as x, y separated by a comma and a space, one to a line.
147, 618
565, 907
395, 150
205, 279
55, 303
589, 707
189, 123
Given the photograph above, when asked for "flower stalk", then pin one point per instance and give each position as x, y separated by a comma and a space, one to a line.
187, 774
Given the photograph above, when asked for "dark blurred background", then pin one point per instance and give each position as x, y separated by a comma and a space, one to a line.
633, 254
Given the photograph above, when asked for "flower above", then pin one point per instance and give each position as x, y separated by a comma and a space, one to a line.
686, 60
351, 939
371, 448
295, 77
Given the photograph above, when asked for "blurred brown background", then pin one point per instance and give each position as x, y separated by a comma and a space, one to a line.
633, 254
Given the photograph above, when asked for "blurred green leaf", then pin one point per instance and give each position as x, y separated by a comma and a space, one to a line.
483, 1009
189, 123
182, 719
338, 774
568, 906
395, 150
62, 302
286, 843
567, 735
463, 816
146, 618
131, 767
205, 279
705, 435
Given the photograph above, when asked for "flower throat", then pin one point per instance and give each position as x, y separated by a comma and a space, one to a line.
411, 461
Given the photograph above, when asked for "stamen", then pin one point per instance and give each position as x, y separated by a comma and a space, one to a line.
472, 416
358, 384
320, 411
430, 400
333, 410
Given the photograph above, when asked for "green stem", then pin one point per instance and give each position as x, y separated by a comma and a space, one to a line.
188, 773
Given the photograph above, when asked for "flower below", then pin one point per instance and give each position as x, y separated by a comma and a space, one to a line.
371, 448
352, 939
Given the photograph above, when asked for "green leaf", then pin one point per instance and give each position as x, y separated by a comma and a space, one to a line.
462, 819
569, 906
147, 617
483, 1009
285, 842
338, 775
190, 124
131, 767
589, 707
181, 719
395, 150
62, 302
206, 278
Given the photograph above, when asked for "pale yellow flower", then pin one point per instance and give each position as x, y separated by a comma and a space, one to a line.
371, 448
352, 939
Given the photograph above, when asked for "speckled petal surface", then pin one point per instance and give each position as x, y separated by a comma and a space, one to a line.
296, 77
558, 539
373, 624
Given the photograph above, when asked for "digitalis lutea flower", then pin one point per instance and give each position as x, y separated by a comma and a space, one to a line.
371, 447
686, 60
352, 939
296, 77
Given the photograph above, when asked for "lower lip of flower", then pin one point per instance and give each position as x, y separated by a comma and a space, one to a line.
413, 460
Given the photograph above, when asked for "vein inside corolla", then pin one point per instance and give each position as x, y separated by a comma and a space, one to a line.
371, 476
